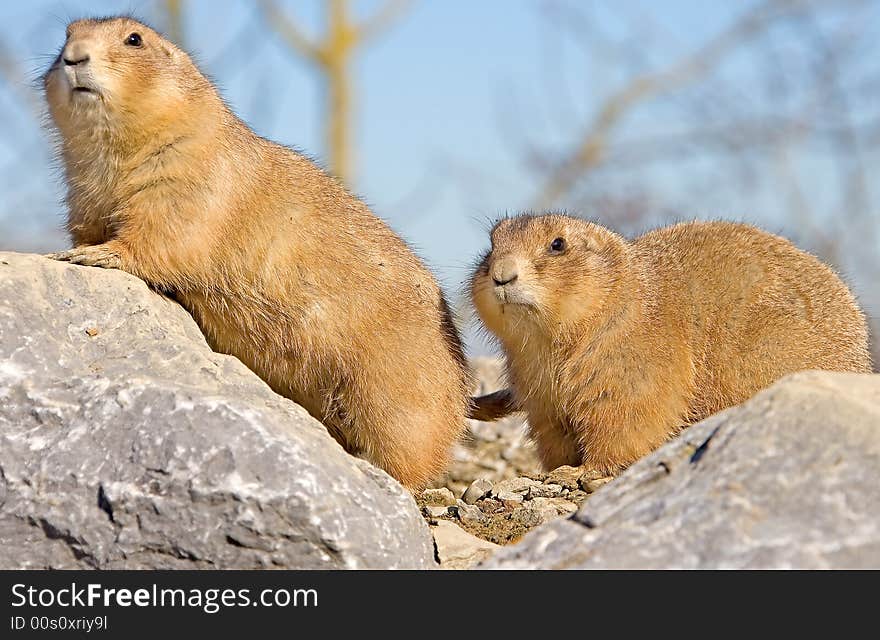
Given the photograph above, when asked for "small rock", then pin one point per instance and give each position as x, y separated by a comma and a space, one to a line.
544, 491
530, 516
510, 499
490, 505
436, 511
458, 549
438, 497
514, 485
560, 506
493, 465
469, 513
591, 474
92, 332
565, 476
547, 508
479, 489
511, 453
485, 431
592, 485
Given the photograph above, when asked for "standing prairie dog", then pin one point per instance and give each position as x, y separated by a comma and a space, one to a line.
613, 346
279, 265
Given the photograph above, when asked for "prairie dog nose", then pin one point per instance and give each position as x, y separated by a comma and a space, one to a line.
505, 271
75, 53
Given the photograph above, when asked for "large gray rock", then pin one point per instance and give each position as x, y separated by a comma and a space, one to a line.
125, 442
789, 479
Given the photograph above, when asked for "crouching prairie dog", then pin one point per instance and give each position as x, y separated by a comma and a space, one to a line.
613, 345
279, 265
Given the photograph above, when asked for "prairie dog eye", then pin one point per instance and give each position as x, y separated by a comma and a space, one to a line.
134, 40
558, 245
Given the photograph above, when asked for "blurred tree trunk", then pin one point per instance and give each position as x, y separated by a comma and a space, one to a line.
337, 55
174, 21
333, 57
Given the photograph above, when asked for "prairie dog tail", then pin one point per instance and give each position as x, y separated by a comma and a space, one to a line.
493, 406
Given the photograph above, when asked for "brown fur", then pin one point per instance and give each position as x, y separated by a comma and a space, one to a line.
493, 406
278, 263
613, 346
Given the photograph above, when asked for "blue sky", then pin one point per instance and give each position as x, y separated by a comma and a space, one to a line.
436, 96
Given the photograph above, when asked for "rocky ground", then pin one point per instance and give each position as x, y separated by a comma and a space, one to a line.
495, 489
502, 511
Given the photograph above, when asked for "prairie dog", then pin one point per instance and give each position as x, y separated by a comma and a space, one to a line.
614, 345
279, 265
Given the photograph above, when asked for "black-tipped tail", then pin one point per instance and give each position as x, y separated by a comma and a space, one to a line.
493, 406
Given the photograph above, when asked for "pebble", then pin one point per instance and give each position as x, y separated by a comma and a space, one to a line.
457, 549
438, 497
494, 465
514, 485
586, 476
490, 505
469, 513
592, 485
511, 453
561, 505
436, 511
547, 508
479, 489
510, 499
565, 476
544, 491
485, 431
529, 516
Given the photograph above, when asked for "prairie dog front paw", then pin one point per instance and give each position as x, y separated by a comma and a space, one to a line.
98, 255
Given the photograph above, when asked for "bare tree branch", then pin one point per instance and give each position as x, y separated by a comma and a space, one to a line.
333, 56
381, 20
593, 146
291, 33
